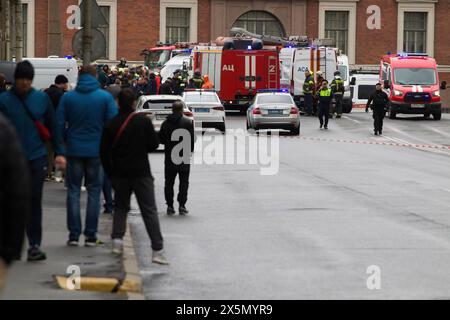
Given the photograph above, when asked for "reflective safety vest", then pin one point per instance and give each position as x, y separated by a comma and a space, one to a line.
325, 93
198, 82
337, 85
308, 86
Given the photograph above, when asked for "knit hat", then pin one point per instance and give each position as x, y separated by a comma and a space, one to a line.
61, 79
24, 70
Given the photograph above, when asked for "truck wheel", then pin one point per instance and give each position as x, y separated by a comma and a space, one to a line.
426, 115
392, 115
437, 116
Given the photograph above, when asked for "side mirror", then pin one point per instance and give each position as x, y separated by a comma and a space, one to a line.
444, 85
387, 85
353, 81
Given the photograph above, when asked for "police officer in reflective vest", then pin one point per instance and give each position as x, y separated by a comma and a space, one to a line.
338, 89
378, 102
308, 91
324, 95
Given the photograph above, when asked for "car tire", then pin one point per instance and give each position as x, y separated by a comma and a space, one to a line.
392, 115
247, 125
222, 128
295, 131
437, 116
426, 115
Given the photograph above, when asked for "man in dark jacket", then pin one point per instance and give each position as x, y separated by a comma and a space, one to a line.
126, 142
324, 95
81, 117
25, 106
175, 127
167, 87
15, 195
2, 83
57, 90
152, 84
378, 102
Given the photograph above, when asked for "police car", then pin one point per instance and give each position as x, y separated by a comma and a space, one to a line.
274, 109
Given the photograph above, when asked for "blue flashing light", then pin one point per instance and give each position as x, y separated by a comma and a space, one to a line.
273, 91
68, 57
249, 47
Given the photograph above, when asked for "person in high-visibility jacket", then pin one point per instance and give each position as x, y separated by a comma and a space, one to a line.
308, 92
324, 95
338, 89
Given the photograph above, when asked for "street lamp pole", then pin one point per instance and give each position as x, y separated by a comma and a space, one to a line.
87, 34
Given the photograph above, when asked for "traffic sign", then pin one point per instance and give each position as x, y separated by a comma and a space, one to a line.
98, 19
98, 44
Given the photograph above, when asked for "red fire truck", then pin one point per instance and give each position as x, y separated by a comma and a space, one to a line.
412, 82
238, 70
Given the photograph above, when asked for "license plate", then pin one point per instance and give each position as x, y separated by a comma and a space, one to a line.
276, 112
202, 110
417, 106
161, 116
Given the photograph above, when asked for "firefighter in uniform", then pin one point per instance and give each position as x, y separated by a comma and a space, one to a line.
319, 80
324, 95
308, 92
338, 89
378, 102
198, 79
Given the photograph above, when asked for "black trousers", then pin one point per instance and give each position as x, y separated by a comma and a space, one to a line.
338, 100
144, 190
171, 173
378, 117
324, 114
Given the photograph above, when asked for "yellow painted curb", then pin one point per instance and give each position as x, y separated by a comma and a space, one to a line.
102, 284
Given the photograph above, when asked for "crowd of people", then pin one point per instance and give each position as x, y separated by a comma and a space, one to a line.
93, 135
146, 82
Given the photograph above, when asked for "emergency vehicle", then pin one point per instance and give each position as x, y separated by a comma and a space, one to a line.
157, 57
238, 70
295, 62
412, 83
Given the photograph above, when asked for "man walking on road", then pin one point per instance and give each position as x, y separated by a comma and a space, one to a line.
126, 142
175, 127
15, 196
32, 114
378, 102
324, 95
81, 117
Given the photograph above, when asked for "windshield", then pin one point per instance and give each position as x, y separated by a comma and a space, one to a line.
158, 58
343, 71
197, 97
158, 104
415, 76
267, 99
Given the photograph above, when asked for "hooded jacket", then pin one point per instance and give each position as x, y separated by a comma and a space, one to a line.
82, 115
55, 93
15, 193
41, 107
174, 122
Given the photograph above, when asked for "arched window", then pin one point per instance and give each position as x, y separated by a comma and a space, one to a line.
260, 22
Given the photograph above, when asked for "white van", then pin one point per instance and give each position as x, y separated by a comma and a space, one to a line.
295, 61
181, 61
46, 70
364, 87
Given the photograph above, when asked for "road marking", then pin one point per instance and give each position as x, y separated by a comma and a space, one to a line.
348, 118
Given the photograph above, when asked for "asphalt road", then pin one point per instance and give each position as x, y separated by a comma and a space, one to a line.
343, 200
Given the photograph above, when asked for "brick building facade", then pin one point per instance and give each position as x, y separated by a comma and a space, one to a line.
365, 29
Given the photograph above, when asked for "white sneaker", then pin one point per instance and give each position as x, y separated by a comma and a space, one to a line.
117, 246
159, 258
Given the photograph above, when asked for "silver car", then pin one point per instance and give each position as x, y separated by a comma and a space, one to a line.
159, 107
274, 110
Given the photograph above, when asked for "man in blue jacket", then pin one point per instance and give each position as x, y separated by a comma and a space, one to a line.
81, 116
27, 108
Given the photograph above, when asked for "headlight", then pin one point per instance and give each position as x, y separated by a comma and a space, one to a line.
398, 93
437, 94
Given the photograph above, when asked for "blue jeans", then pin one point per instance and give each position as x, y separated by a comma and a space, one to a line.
91, 170
38, 171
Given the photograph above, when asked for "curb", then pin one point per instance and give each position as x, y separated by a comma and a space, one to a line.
132, 283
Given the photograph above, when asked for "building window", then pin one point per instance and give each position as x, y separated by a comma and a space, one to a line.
105, 29
415, 32
336, 27
260, 22
177, 24
25, 29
